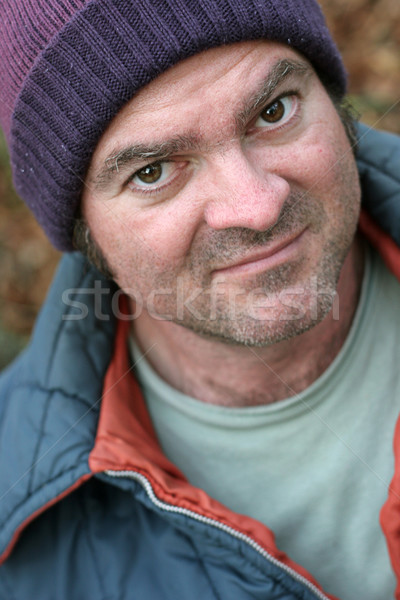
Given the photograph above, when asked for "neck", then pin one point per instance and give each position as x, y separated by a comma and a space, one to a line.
230, 375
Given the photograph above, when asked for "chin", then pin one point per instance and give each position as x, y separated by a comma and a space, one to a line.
265, 330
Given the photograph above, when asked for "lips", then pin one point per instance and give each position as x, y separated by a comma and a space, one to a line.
264, 257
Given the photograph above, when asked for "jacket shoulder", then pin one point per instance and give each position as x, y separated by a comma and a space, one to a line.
378, 161
50, 396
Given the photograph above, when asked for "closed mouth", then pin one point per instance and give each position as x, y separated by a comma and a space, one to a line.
264, 257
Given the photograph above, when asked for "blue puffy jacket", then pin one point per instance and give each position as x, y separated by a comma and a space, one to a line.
81, 524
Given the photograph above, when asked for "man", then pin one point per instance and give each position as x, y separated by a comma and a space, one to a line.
235, 440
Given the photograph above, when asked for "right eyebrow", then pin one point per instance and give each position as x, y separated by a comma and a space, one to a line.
122, 160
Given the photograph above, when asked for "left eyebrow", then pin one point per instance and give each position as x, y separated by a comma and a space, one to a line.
280, 72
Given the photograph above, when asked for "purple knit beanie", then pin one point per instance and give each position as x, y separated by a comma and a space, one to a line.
68, 66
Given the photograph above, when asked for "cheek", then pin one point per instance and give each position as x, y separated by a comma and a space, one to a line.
108, 229
338, 176
142, 245
315, 163
168, 228
324, 166
332, 177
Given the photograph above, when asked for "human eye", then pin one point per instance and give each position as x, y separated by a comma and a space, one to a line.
279, 112
160, 179
151, 176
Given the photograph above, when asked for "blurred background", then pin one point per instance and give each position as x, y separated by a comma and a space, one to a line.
368, 35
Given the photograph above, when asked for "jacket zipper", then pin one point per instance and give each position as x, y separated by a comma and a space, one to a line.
214, 523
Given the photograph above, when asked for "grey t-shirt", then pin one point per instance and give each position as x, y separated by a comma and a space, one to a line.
314, 468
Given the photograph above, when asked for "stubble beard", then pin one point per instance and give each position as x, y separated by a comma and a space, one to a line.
270, 307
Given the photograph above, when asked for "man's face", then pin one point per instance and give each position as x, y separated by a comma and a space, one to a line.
225, 197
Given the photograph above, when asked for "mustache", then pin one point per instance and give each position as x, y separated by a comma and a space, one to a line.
298, 211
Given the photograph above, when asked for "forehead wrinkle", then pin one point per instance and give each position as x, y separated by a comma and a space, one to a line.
281, 71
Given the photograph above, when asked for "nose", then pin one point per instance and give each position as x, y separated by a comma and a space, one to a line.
243, 194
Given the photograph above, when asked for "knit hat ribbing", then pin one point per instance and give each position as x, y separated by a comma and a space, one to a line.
69, 66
